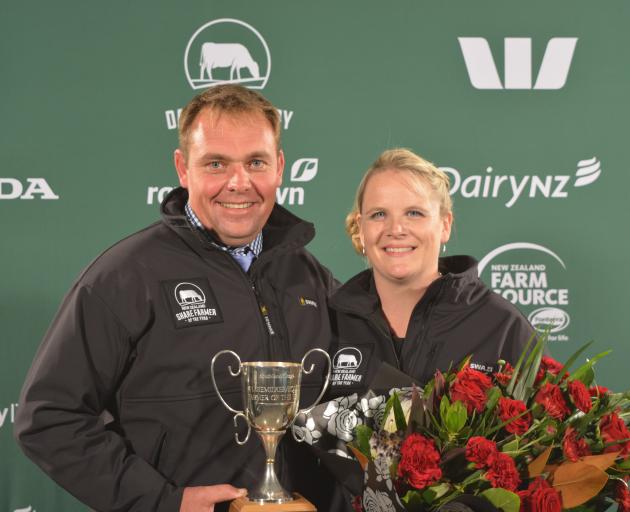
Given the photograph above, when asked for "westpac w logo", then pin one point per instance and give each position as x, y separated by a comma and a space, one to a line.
518, 63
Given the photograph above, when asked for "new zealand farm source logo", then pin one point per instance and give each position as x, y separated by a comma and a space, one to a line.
534, 278
227, 51
512, 188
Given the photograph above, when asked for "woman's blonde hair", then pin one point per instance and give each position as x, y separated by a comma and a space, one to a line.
419, 170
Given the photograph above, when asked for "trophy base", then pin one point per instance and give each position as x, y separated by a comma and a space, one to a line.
298, 504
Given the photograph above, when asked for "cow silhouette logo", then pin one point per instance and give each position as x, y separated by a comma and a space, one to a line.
227, 51
187, 294
347, 358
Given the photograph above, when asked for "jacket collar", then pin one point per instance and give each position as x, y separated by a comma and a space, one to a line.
459, 283
283, 230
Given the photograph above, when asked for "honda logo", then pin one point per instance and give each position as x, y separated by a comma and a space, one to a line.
483, 73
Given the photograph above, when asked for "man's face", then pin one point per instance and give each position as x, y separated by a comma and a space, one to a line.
232, 173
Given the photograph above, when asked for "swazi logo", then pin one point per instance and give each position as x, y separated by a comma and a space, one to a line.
483, 73
37, 188
227, 51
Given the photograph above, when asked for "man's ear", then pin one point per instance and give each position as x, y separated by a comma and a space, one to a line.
181, 167
280, 166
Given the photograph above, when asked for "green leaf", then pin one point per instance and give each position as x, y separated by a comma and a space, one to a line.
625, 464
412, 499
444, 406
570, 362
512, 446
363, 434
519, 363
435, 492
502, 499
530, 370
473, 477
585, 372
493, 398
399, 415
456, 417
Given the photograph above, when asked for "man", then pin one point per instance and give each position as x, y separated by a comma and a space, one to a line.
225, 268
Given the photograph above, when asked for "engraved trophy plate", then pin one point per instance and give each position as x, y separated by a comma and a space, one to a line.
271, 399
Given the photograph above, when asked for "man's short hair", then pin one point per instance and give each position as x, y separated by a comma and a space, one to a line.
229, 99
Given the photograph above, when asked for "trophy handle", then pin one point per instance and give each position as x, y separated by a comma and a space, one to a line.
233, 374
249, 428
300, 437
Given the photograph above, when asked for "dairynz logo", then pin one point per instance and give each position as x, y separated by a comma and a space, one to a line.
227, 51
302, 171
34, 188
534, 278
482, 69
7, 414
514, 188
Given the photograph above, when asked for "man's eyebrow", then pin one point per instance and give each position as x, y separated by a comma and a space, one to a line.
218, 156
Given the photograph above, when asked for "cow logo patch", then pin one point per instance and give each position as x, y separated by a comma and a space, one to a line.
227, 51
191, 302
346, 364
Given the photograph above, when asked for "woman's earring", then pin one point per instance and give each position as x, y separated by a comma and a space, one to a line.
444, 249
363, 250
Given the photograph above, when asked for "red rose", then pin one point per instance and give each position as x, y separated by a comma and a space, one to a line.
470, 387
580, 395
572, 447
597, 391
479, 450
542, 497
509, 409
419, 461
550, 397
503, 472
504, 376
357, 504
623, 496
612, 428
549, 364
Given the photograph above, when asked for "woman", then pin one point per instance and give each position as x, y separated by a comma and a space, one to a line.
412, 309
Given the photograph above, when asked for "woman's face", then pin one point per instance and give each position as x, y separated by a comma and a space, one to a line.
401, 228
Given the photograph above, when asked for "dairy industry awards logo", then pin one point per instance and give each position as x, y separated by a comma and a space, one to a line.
512, 188
227, 51
517, 52
534, 278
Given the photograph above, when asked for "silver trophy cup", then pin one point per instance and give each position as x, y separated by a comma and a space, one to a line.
271, 401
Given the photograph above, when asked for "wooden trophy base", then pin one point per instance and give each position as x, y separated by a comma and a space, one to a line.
299, 504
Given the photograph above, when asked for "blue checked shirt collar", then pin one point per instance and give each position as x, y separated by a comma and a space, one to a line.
255, 245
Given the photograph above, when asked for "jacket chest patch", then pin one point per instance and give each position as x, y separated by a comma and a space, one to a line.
191, 302
349, 366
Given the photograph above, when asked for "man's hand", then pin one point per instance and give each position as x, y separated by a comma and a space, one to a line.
203, 499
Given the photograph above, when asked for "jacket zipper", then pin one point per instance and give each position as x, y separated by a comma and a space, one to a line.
423, 334
388, 335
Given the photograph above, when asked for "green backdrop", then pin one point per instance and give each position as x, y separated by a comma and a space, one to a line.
525, 104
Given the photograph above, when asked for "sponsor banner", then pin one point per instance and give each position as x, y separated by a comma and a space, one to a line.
513, 188
535, 279
226, 51
517, 52
302, 171
7, 415
28, 188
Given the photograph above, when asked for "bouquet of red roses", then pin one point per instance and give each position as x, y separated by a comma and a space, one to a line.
532, 437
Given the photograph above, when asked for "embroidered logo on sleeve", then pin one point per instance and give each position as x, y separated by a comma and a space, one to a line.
308, 302
192, 302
